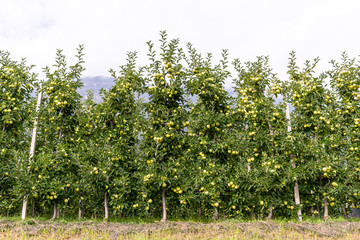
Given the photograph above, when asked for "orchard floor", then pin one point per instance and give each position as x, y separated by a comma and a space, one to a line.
36, 229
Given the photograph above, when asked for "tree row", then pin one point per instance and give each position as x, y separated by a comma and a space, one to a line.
168, 139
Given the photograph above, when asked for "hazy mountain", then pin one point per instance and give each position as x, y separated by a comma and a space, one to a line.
96, 83
99, 82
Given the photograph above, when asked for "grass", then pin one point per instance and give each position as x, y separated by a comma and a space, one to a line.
143, 228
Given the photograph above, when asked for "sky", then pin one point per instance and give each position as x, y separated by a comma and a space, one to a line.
110, 28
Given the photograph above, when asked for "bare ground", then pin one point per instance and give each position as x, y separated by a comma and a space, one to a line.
33, 229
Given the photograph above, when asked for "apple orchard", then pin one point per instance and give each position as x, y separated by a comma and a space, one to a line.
169, 141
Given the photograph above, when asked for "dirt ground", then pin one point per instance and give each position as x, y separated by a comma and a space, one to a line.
33, 229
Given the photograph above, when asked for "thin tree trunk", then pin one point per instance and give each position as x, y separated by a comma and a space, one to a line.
164, 212
326, 209
199, 212
252, 214
80, 215
33, 209
297, 199
318, 209
344, 212
216, 214
81, 208
32, 150
93, 214
24, 207
270, 212
296, 187
106, 208
55, 213
312, 211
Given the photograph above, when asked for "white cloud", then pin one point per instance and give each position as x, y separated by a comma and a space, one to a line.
110, 28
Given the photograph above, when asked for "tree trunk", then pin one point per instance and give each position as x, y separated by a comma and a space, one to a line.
199, 212
312, 211
81, 208
80, 213
344, 212
270, 212
23, 212
252, 214
33, 209
216, 214
296, 187
106, 208
55, 213
164, 213
297, 200
93, 214
326, 209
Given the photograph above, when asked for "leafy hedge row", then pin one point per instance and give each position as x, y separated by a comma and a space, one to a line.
240, 155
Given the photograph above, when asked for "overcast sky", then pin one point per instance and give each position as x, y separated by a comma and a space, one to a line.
110, 28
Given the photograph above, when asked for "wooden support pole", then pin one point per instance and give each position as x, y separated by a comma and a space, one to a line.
32, 150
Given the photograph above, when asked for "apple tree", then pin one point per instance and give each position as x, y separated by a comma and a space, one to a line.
345, 80
54, 168
259, 126
114, 150
17, 83
161, 165
314, 128
209, 153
